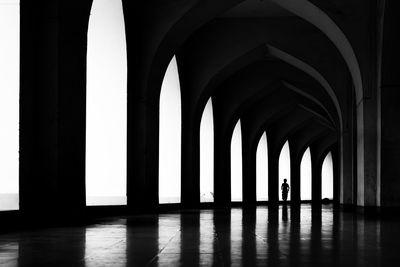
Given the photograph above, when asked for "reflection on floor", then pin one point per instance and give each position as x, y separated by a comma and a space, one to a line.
234, 237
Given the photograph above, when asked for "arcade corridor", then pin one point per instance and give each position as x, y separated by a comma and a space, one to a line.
159, 133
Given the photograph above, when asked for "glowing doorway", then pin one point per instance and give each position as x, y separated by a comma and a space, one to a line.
106, 108
236, 164
327, 177
207, 154
9, 104
305, 176
284, 167
169, 171
262, 169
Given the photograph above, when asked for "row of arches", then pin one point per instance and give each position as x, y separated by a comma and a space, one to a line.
317, 18
170, 157
107, 120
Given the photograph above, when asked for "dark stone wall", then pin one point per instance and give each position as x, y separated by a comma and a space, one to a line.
390, 93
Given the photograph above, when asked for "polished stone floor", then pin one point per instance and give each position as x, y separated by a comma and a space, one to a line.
234, 237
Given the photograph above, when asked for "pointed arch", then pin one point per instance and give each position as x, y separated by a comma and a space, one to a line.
262, 169
207, 154
284, 167
236, 164
327, 177
317, 17
169, 171
106, 105
9, 105
305, 176
297, 63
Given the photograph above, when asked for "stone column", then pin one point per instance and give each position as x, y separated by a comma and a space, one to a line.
190, 182
53, 108
295, 163
222, 164
249, 152
142, 176
273, 175
316, 167
346, 181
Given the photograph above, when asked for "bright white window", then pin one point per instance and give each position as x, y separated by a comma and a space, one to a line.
284, 168
9, 104
106, 111
236, 164
169, 171
262, 169
207, 154
327, 177
305, 176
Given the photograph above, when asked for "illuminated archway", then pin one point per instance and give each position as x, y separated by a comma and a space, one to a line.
262, 169
9, 105
305, 176
207, 154
169, 171
327, 177
284, 167
236, 164
106, 105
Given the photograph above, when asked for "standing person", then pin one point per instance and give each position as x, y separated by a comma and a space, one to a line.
285, 189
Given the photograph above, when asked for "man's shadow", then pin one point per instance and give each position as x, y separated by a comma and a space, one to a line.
284, 213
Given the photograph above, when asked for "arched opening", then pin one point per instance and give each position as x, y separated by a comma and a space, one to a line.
305, 176
106, 105
9, 105
317, 17
327, 177
236, 164
262, 169
284, 167
207, 154
169, 171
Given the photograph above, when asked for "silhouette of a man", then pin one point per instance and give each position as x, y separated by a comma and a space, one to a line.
285, 189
